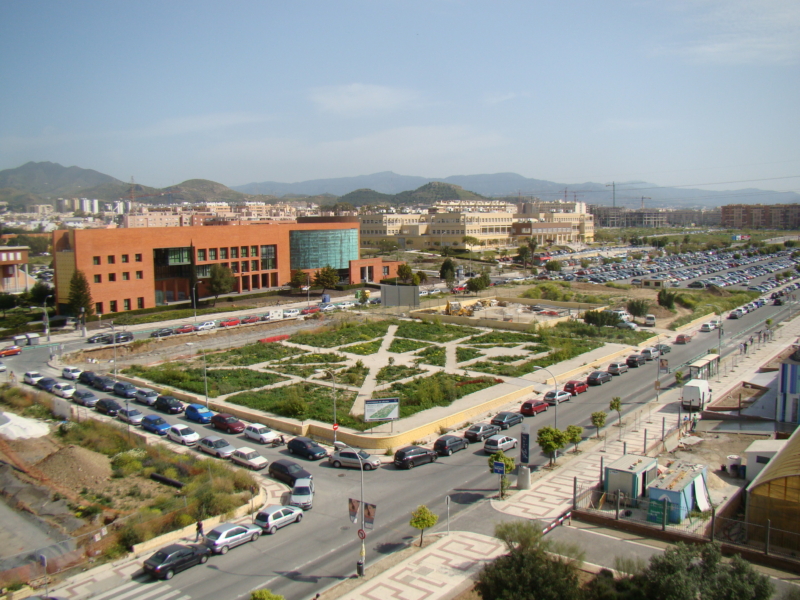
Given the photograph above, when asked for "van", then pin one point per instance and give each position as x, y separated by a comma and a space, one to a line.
650, 321
696, 394
623, 314
275, 315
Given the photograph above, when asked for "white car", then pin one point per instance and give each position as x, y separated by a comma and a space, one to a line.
71, 373
146, 396
247, 457
207, 326
3, 367
288, 313
346, 304
327, 307
65, 390
31, 377
705, 327
183, 435
130, 415
260, 433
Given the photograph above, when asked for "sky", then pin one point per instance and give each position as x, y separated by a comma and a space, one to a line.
674, 92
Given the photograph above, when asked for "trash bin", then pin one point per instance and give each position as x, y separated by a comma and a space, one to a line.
524, 478
33, 339
360, 568
20, 340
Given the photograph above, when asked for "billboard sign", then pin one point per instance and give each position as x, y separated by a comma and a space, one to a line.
382, 409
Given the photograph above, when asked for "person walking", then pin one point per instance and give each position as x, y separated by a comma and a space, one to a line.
199, 534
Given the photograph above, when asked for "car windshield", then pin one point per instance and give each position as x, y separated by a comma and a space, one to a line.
549, 394
220, 444
294, 468
363, 455
186, 431
158, 421
133, 413
475, 428
203, 411
250, 455
230, 419
302, 491
159, 557
261, 429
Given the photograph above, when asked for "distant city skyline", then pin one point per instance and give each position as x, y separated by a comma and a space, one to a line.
677, 93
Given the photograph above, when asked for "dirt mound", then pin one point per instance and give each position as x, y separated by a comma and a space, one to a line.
76, 468
718, 291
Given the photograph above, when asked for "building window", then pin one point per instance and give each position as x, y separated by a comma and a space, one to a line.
126, 276
268, 258
126, 304
138, 257
201, 255
234, 252
244, 252
112, 306
112, 276
140, 303
98, 308
95, 260
223, 253
316, 249
202, 271
124, 258
762, 460
245, 267
253, 250
98, 279
139, 274
111, 259
212, 254
254, 265
385, 271
234, 267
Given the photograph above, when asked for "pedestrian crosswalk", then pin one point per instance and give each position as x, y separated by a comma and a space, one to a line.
135, 590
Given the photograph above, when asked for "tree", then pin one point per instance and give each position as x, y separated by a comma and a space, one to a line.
7, 302
299, 279
574, 434
404, 272
599, 420
553, 265
476, 284
509, 466
265, 595
423, 519
616, 404
327, 277
666, 298
448, 267
532, 245
220, 281
524, 255
423, 277
80, 296
415, 279
601, 318
638, 308
40, 291
551, 440
585, 262
387, 246
446, 251
679, 377
470, 241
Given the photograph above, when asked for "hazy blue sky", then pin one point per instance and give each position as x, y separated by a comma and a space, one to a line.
674, 92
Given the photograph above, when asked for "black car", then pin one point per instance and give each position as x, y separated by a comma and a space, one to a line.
104, 384
173, 558
598, 377
663, 348
163, 332
411, 456
504, 420
46, 384
99, 338
287, 471
447, 444
123, 336
87, 399
107, 406
306, 448
635, 360
124, 389
169, 404
87, 377
481, 431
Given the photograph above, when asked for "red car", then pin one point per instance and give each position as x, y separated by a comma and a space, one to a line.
531, 408
250, 319
231, 322
683, 339
185, 329
576, 387
226, 422
310, 310
10, 351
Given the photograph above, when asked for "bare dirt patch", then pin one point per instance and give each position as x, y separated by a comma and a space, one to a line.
741, 396
76, 468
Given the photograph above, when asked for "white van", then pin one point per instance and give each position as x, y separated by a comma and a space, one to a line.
623, 315
290, 313
275, 315
650, 321
696, 394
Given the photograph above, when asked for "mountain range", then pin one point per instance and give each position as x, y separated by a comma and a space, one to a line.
43, 182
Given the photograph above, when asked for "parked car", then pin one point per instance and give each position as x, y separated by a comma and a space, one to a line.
272, 518
306, 448
558, 397
683, 338
411, 456
124, 389
163, 332
617, 368
480, 431
184, 329
310, 310
229, 322
173, 558
46, 384
169, 405
635, 360
302, 495
103, 384
71, 373
155, 424
229, 535
250, 319
507, 419
632, 326
663, 349
65, 390
598, 377
87, 377
650, 353
99, 338
130, 415
146, 396
122, 336
107, 406
706, 327
184, 435
447, 444
207, 326
31, 377
10, 351
349, 458
498, 443
576, 387
227, 423
290, 313
216, 446
531, 408
260, 433
198, 413
287, 471
247, 457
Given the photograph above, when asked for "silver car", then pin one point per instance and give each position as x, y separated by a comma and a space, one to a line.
260, 433
65, 390
272, 518
617, 368
348, 458
146, 396
130, 415
217, 446
229, 535
247, 457
302, 494
498, 443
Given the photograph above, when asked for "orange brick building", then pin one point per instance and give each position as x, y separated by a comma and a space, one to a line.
129, 269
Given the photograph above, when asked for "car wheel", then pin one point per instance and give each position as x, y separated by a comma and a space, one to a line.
299, 517
337, 464
183, 442
434, 457
204, 559
169, 574
449, 452
272, 530
411, 464
514, 446
290, 451
224, 550
255, 537
368, 467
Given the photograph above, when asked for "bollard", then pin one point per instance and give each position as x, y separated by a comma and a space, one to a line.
663, 427
618, 495
360, 568
602, 470
645, 443
624, 448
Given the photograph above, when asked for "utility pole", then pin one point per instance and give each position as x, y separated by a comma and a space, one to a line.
645, 198
613, 186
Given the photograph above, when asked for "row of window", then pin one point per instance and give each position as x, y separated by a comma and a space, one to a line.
126, 276
244, 267
204, 254
113, 306
112, 259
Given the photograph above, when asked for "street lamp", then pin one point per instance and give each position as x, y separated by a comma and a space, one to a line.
363, 553
194, 298
46, 317
335, 423
205, 368
555, 389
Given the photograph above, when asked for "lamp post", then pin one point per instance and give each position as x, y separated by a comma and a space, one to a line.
205, 368
114, 343
46, 317
335, 422
555, 389
363, 553
194, 298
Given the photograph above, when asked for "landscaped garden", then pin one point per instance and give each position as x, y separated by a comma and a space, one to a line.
252, 354
365, 348
504, 337
401, 345
395, 372
440, 389
343, 332
220, 381
463, 354
433, 331
434, 355
569, 349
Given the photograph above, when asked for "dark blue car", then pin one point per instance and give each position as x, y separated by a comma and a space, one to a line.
155, 424
198, 413
124, 389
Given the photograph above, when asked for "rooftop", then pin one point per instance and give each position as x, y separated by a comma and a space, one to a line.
677, 476
631, 462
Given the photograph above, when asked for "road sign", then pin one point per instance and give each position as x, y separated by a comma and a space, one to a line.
335, 426
362, 534
499, 467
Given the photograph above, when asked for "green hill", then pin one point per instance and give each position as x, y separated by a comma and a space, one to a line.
365, 196
51, 179
429, 193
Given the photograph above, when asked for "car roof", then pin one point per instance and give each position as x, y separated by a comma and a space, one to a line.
223, 527
272, 509
496, 437
212, 438
245, 449
172, 548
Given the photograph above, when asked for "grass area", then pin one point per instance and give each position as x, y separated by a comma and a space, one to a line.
364, 349
435, 355
508, 359
354, 375
344, 332
318, 357
505, 338
433, 331
395, 372
297, 370
169, 315
400, 345
463, 354
569, 349
440, 389
252, 354
698, 300
220, 381
581, 330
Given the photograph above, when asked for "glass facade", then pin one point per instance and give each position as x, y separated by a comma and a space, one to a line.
317, 249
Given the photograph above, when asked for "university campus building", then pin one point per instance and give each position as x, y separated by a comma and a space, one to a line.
129, 269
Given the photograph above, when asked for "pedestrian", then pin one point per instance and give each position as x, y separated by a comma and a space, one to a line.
199, 534
745, 347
